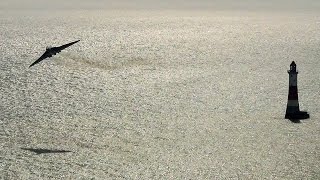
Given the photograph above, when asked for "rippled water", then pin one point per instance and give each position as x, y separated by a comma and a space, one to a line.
158, 95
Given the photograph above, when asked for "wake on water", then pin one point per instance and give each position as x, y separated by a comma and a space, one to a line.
78, 61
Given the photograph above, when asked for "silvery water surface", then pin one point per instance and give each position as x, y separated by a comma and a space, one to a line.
158, 95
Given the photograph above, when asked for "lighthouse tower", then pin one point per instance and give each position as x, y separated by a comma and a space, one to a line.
293, 111
293, 103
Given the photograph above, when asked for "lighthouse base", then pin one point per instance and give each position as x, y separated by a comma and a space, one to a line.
297, 115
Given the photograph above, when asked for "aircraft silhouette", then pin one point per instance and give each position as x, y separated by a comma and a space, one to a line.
52, 51
44, 151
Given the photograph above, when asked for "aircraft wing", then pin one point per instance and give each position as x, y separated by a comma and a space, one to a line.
60, 48
44, 55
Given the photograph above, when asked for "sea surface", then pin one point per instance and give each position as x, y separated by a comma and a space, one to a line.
158, 95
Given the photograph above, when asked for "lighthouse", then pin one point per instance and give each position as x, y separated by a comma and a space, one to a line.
293, 110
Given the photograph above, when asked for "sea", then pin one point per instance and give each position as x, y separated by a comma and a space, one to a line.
158, 94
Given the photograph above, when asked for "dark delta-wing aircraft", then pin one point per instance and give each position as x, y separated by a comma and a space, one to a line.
52, 51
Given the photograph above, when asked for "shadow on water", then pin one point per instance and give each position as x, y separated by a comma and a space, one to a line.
45, 151
297, 117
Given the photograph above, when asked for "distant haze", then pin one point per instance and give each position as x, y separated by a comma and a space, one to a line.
162, 4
